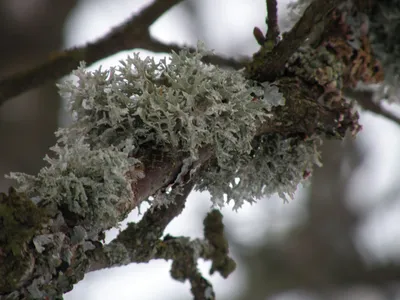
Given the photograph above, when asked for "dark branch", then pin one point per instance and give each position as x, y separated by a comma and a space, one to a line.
147, 232
157, 46
183, 252
132, 34
272, 21
366, 101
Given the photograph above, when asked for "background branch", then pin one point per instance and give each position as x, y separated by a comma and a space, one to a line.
134, 33
366, 100
126, 36
154, 45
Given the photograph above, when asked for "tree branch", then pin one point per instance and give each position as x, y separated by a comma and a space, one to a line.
366, 100
146, 233
131, 34
134, 33
183, 252
315, 18
157, 46
272, 21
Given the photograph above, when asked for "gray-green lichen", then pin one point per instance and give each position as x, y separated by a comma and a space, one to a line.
91, 183
179, 105
276, 165
117, 254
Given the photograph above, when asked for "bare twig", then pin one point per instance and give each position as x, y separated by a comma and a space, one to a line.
272, 21
131, 34
366, 101
379, 110
157, 46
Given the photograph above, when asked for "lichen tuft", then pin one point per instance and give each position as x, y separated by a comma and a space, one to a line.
178, 105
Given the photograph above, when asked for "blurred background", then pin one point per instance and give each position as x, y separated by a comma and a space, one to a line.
338, 239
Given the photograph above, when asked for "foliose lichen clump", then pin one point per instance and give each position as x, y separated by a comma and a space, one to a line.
91, 183
179, 105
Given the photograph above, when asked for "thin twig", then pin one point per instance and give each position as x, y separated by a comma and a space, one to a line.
366, 100
157, 46
272, 21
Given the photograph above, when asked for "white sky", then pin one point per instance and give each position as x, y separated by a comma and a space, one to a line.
227, 26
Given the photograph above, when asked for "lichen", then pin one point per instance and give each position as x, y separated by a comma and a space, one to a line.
276, 165
90, 183
117, 254
214, 233
178, 105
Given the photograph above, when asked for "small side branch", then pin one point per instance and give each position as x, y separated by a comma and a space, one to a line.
268, 65
183, 252
271, 38
366, 101
157, 46
147, 233
184, 255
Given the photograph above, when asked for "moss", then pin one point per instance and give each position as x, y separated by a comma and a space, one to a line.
20, 220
